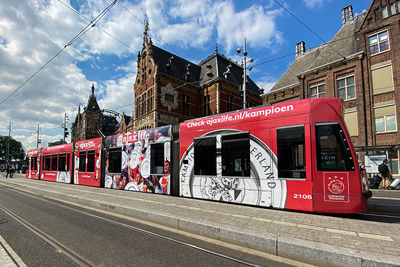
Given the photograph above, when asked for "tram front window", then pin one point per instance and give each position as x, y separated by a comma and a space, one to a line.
333, 151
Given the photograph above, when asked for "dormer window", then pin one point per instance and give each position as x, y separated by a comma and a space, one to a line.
393, 9
385, 13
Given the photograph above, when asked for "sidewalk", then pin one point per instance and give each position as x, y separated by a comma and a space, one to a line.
311, 238
8, 258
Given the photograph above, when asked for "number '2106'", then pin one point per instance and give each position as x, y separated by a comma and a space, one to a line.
302, 196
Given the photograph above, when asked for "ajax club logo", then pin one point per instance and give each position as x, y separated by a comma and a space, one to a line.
336, 187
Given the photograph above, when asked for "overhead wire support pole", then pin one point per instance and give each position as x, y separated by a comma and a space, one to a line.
245, 75
8, 144
64, 126
79, 35
244, 64
38, 141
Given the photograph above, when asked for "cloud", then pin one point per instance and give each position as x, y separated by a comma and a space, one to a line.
33, 31
314, 3
118, 94
256, 24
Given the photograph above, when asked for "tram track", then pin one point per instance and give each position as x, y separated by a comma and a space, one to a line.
59, 247
77, 259
382, 215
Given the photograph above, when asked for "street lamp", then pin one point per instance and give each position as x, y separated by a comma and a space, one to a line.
239, 51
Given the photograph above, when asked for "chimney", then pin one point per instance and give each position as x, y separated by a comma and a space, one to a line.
300, 48
347, 14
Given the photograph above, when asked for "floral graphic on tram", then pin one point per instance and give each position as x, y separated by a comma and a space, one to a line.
253, 180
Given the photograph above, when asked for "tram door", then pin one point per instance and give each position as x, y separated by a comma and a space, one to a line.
334, 170
294, 165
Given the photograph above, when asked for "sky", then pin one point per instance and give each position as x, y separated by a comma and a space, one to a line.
45, 72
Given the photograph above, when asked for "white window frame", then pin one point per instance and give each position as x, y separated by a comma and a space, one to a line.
385, 124
379, 42
317, 95
346, 86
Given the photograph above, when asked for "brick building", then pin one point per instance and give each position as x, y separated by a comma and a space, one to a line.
88, 123
169, 89
361, 65
123, 125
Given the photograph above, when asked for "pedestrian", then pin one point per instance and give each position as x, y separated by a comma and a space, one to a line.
386, 173
7, 171
363, 171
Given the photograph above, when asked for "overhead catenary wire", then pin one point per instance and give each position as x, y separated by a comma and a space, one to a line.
155, 34
302, 23
97, 26
76, 37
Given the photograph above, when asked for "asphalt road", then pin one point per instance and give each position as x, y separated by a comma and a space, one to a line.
104, 240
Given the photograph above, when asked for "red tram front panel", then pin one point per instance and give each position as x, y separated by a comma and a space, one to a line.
262, 156
338, 185
33, 164
88, 162
56, 163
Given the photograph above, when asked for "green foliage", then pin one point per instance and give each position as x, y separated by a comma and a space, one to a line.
17, 152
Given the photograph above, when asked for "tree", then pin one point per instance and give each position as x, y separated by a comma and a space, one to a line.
17, 152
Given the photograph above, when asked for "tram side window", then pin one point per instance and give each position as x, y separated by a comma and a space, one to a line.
157, 158
82, 161
47, 163
67, 161
205, 156
90, 161
291, 152
54, 162
33, 163
333, 151
114, 160
236, 155
61, 162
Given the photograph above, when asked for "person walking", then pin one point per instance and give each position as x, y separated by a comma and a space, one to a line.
386, 173
7, 170
12, 171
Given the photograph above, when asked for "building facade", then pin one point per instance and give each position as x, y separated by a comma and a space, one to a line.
361, 66
92, 122
169, 89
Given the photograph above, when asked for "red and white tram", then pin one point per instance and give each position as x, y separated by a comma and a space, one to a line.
295, 155
56, 163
